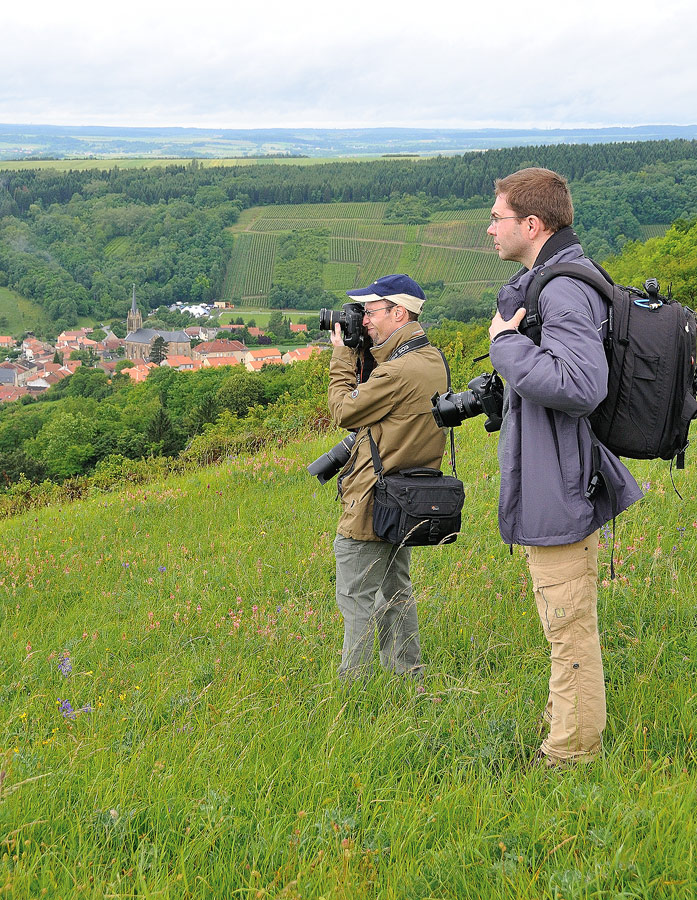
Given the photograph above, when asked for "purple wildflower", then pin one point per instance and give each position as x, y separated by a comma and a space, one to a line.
162, 568
65, 665
66, 709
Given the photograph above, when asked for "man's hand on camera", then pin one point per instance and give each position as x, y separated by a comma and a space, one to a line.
499, 325
336, 338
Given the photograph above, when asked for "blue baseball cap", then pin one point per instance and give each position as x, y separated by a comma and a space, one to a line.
399, 289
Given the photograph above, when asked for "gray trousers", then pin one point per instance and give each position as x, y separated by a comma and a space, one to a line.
373, 591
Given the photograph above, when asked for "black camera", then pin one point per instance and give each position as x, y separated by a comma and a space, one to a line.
350, 318
485, 395
326, 466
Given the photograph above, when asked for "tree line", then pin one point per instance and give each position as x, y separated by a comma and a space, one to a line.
88, 417
75, 241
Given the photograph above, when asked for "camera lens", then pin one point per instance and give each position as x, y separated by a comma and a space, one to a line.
450, 409
328, 318
328, 464
468, 404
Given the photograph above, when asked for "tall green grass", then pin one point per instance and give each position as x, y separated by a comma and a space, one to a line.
172, 726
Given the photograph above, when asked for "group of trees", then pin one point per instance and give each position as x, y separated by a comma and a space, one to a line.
671, 259
87, 417
75, 241
81, 257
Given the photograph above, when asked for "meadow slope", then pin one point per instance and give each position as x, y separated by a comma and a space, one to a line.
172, 726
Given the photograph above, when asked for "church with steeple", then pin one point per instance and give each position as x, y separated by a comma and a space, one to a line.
139, 340
134, 322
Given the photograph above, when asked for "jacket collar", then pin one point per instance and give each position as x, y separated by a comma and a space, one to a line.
381, 352
560, 240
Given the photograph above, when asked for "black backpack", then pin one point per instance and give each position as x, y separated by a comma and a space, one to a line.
651, 346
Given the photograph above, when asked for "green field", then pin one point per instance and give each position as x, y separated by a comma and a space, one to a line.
131, 162
172, 725
362, 246
261, 314
20, 314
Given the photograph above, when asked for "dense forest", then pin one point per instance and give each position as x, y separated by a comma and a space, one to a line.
74, 242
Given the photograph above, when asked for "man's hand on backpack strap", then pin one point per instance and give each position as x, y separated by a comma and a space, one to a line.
499, 325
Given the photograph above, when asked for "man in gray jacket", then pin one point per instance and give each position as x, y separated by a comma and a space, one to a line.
545, 450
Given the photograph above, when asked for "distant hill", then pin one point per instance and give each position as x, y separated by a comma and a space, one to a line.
66, 141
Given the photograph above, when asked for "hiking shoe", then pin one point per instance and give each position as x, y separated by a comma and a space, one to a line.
542, 760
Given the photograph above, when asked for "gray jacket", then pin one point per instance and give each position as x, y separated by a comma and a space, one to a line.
546, 447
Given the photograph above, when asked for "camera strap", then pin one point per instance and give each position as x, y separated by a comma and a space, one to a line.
416, 343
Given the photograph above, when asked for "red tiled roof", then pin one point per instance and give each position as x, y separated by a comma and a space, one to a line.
220, 346
9, 393
265, 353
216, 361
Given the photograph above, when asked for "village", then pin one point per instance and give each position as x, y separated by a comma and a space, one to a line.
41, 364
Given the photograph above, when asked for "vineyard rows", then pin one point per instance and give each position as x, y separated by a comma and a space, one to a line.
468, 235
340, 276
324, 211
649, 231
455, 266
118, 246
260, 265
264, 224
451, 234
233, 287
344, 250
250, 267
462, 215
377, 260
453, 248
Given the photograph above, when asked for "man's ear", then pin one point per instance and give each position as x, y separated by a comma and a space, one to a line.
535, 226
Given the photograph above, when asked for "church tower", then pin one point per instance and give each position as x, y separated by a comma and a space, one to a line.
134, 321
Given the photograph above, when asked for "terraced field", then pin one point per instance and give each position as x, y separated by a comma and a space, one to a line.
453, 248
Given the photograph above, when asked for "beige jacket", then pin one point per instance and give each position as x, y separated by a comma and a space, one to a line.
395, 403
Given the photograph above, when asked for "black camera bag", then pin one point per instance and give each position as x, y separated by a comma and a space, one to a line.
417, 507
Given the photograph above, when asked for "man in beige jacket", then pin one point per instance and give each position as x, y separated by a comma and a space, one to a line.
373, 585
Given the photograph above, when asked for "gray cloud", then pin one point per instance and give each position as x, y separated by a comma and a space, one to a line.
300, 64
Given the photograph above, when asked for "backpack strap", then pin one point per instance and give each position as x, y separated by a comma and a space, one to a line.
596, 478
597, 278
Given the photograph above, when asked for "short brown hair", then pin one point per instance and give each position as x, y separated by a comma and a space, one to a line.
538, 192
411, 316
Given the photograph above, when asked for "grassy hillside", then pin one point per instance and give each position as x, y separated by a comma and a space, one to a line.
18, 314
171, 723
356, 245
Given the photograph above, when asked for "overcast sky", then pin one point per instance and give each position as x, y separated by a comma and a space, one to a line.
265, 63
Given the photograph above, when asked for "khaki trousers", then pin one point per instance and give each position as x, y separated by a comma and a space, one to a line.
374, 593
565, 582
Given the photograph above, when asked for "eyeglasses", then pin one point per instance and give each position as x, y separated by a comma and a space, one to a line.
371, 312
494, 220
